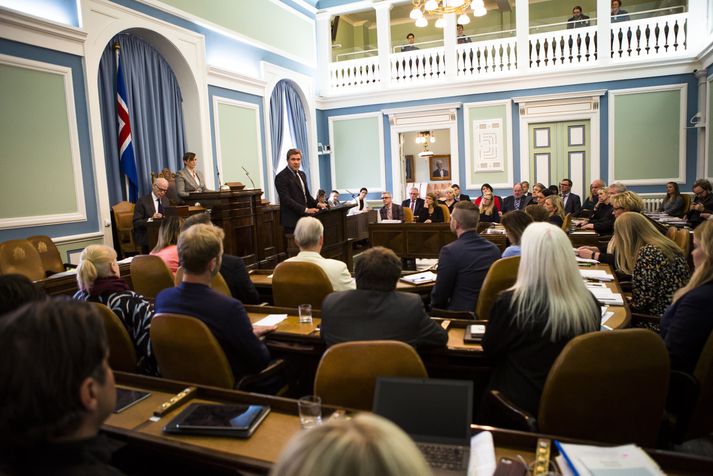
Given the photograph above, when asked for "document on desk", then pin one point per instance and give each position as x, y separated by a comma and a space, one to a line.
420, 278
603, 461
596, 274
606, 296
482, 455
271, 320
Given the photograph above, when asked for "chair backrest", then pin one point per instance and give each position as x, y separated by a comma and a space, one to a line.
609, 387
123, 213
671, 233
701, 422
408, 215
567, 222
683, 240
296, 282
122, 353
218, 284
446, 213
150, 276
49, 254
686, 203
347, 373
174, 336
20, 257
501, 275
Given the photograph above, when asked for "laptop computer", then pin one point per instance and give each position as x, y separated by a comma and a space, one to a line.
435, 413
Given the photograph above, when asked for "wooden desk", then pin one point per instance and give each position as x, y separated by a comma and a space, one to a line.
358, 225
66, 283
205, 454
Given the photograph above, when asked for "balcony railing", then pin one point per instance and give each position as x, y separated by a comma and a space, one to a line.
650, 38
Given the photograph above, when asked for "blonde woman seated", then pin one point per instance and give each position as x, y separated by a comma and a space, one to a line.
167, 239
515, 223
366, 445
488, 211
555, 210
99, 281
532, 321
656, 264
431, 212
450, 200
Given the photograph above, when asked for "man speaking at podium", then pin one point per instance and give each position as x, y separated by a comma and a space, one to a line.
295, 199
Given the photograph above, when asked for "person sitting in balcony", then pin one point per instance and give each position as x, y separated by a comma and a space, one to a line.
410, 38
578, 19
461, 35
617, 13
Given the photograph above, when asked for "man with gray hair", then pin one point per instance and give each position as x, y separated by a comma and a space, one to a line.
149, 207
375, 310
463, 263
309, 237
615, 188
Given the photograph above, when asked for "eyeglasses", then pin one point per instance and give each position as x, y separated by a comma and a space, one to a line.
619, 208
159, 189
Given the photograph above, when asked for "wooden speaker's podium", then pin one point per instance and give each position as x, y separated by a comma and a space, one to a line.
336, 243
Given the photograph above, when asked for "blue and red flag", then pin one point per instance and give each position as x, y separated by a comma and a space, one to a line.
126, 149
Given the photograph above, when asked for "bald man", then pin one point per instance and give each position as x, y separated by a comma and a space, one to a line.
150, 206
593, 197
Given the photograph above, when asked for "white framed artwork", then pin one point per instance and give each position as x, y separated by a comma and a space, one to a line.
488, 150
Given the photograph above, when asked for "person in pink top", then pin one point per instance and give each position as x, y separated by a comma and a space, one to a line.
167, 239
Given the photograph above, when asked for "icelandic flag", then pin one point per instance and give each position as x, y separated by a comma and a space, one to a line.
126, 149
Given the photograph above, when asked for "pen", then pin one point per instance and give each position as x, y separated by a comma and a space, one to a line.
566, 458
173, 402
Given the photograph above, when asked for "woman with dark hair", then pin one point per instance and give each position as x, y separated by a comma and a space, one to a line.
496, 200
17, 290
321, 197
537, 212
431, 211
167, 239
538, 193
673, 203
189, 179
515, 223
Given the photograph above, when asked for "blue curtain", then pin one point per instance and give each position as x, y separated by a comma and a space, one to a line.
297, 121
276, 125
155, 110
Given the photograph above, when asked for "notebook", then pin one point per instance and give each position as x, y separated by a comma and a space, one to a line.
435, 413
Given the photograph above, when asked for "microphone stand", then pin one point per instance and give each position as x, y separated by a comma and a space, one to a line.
247, 174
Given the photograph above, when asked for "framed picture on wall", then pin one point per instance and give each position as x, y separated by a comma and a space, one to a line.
410, 169
440, 167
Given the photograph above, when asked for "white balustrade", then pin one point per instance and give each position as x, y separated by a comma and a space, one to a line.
418, 66
486, 57
649, 38
354, 75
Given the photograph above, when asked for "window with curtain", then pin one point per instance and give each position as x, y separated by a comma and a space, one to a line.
288, 125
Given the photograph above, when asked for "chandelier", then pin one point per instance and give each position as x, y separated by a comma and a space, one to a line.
425, 138
442, 7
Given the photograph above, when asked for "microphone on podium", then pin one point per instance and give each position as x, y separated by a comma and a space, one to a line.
223, 187
247, 174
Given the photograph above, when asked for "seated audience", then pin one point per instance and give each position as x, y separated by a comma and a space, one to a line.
167, 238
450, 199
17, 290
333, 199
200, 248
463, 263
309, 237
414, 202
526, 188
571, 203
496, 200
616, 188
98, 280
673, 203
457, 194
232, 268
687, 324
488, 212
554, 190
656, 264
517, 201
621, 202
555, 212
601, 219
321, 198
702, 205
375, 310
537, 212
360, 202
390, 210
578, 19
593, 198
515, 223
57, 390
431, 212
538, 193
149, 207
366, 445
531, 322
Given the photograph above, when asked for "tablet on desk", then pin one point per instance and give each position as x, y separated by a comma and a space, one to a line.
239, 421
126, 397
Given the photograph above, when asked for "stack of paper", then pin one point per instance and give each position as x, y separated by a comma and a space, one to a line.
420, 278
586, 260
605, 295
597, 460
271, 320
596, 274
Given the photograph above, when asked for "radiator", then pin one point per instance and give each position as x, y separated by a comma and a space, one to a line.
652, 204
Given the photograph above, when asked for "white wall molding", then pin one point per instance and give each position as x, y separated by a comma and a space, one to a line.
683, 97
217, 100
469, 165
235, 81
381, 186
36, 31
707, 131
69, 239
80, 212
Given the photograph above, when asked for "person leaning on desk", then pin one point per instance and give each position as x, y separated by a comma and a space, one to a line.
431, 211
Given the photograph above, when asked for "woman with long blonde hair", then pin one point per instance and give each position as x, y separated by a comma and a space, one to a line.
687, 324
488, 211
656, 264
166, 248
99, 281
532, 321
555, 209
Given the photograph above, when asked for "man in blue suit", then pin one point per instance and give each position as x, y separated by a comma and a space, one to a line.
463, 263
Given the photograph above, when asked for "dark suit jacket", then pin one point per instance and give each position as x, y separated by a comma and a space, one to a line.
419, 205
227, 320
436, 217
463, 197
144, 209
236, 275
292, 200
603, 219
375, 315
509, 203
397, 212
462, 266
686, 326
573, 205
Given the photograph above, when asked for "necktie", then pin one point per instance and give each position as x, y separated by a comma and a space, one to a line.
159, 207
302, 184
564, 199
388, 213
413, 206
517, 204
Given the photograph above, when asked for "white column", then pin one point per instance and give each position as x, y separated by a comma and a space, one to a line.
604, 32
522, 25
383, 38
449, 46
701, 131
324, 50
697, 16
